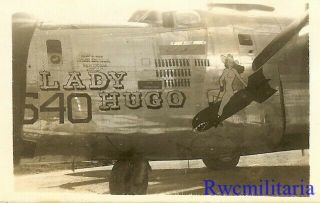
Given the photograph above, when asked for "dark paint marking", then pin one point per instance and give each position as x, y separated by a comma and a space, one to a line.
150, 84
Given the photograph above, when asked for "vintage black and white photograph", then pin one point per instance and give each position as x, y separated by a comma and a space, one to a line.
151, 97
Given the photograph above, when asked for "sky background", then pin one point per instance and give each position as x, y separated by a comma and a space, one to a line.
117, 11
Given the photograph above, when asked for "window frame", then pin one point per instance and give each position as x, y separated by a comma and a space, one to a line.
244, 42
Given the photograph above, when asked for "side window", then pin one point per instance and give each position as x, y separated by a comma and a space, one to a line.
245, 39
54, 52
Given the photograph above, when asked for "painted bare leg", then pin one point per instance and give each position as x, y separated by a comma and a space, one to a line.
224, 101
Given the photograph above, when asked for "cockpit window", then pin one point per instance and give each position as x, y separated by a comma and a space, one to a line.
153, 16
245, 39
187, 19
146, 16
167, 19
137, 16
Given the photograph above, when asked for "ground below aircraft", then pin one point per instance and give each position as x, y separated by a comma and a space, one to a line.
133, 93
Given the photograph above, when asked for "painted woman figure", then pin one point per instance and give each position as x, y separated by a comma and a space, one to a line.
232, 71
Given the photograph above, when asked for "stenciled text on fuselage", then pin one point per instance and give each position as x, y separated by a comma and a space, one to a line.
100, 81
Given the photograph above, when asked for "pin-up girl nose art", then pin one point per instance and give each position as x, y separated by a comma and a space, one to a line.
228, 101
232, 70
